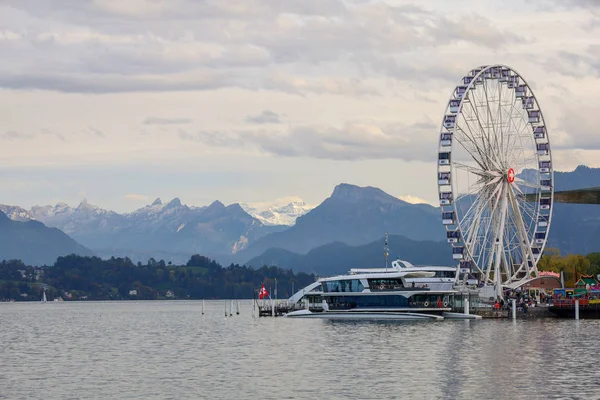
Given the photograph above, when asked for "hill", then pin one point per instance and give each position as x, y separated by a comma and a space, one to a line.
338, 258
34, 243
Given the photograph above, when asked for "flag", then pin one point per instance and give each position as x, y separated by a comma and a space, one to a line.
263, 292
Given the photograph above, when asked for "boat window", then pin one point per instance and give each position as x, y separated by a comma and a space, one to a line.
385, 284
445, 274
344, 285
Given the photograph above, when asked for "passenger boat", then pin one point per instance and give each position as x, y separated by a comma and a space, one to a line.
399, 291
379, 295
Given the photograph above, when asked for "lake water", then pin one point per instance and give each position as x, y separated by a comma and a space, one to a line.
168, 350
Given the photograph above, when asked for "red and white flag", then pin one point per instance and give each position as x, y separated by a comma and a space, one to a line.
263, 293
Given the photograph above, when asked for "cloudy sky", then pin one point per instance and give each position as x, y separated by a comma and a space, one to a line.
123, 101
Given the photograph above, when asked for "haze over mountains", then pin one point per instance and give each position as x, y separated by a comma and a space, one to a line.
348, 222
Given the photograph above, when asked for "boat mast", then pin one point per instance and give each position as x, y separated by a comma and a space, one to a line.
386, 251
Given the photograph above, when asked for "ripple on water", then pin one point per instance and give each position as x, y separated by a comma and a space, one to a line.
168, 350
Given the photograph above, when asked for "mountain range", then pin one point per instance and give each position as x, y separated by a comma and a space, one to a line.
352, 216
173, 230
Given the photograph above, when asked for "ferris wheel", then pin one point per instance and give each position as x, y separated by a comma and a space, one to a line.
495, 176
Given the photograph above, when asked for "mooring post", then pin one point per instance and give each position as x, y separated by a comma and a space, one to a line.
466, 307
272, 308
514, 308
577, 309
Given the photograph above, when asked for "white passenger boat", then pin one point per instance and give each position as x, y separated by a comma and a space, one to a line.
399, 291
379, 295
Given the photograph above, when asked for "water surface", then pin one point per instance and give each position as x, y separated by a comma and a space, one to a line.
169, 350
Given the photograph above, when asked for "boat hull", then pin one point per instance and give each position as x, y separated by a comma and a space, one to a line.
345, 315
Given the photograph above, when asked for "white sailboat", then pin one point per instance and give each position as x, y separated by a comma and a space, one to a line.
44, 297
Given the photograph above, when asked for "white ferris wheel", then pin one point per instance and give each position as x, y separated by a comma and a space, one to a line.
495, 176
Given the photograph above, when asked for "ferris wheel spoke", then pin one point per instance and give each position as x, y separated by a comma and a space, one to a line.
470, 146
485, 143
491, 121
470, 168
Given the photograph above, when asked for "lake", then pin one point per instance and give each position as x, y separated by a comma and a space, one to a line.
169, 350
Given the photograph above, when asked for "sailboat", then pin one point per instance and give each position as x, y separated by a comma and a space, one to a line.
44, 297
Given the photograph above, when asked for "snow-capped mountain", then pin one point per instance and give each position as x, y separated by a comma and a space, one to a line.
278, 214
74, 221
17, 213
172, 231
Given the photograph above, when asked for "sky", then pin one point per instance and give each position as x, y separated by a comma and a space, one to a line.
252, 101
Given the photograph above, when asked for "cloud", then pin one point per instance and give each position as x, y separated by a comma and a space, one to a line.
167, 121
135, 197
111, 46
266, 117
352, 141
413, 199
57, 135
14, 135
90, 130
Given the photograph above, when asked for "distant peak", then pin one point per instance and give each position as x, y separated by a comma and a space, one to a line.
236, 207
344, 188
157, 202
173, 203
216, 204
347, 192
85, 204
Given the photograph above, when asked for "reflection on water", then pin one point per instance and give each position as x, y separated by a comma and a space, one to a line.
164, 350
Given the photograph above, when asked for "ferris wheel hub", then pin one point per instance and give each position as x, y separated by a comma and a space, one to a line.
510, 175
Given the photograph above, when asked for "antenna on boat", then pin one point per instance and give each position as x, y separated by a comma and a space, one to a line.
386, 251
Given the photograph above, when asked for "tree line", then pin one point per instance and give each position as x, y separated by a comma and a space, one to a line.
573, 266
91, 278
